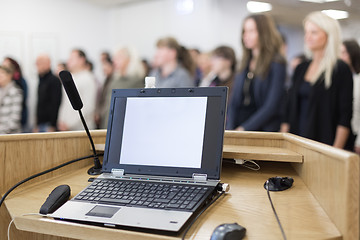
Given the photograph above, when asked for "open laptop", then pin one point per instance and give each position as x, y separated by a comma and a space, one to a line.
165, 143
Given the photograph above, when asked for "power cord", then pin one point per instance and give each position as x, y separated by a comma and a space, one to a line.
199, 214
42, 173
252, 166
273, 208
26, 214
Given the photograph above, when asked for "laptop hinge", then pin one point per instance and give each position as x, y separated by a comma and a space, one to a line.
117, 172
199, 177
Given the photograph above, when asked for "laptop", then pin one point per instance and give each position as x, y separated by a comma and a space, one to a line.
162, 160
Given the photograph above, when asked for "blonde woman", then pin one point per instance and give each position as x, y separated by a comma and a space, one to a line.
319, 104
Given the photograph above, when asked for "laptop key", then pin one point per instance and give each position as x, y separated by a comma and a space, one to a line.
160, 200
118, 201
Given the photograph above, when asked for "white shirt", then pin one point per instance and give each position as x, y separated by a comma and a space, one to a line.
355, 122
86, 86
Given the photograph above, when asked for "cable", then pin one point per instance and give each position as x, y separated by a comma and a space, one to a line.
26, 214
40, 174
256, 168
199, 214
273, 208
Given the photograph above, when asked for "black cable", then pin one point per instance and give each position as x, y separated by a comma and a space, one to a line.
199, 214
273, 208
40, 174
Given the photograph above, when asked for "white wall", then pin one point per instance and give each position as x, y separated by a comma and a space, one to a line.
31, 27
212, 22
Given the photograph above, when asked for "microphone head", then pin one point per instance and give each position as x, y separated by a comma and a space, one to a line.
71, 90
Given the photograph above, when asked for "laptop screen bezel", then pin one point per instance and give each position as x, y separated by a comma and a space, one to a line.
213, 133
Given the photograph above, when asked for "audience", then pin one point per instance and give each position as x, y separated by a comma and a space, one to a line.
128, 73
258, 89
350, 53
316, 103
86, 85
319, 104
21, 82
223, 66
11, 99
49, 96
175, 67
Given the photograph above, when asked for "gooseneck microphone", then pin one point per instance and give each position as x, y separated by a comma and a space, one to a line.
76, 103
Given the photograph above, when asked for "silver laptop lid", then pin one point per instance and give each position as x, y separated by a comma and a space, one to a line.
173, 132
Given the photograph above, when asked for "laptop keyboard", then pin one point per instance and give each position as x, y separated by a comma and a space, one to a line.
144, 194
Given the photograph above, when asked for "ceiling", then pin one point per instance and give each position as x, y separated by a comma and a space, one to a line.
289, 12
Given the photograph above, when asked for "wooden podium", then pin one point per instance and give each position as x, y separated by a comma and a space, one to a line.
322, 204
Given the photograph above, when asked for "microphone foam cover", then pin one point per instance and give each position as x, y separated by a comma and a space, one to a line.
71, 90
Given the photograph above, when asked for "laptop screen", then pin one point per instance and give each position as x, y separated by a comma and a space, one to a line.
168, 132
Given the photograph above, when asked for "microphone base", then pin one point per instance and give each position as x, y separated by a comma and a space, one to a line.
94, 171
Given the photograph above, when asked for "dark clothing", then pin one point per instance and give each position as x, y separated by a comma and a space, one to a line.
217, 82
49, 99
327, 107
268, 94
304, 93
21, 82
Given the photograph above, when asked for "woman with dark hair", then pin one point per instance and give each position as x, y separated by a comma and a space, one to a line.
223, 66
350, 53
258, 89
21, 82
175, 67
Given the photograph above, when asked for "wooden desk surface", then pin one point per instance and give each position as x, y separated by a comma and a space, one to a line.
246, 203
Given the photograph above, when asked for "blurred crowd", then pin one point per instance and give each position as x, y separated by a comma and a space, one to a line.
320, 100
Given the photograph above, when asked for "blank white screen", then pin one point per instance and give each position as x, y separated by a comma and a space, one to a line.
164, 131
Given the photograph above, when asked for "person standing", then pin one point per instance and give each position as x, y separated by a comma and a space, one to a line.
128, 72
85, 82
223, 66
319, 103
11, 98
21, 82
49, 96
350, 53
259, 88
174, 65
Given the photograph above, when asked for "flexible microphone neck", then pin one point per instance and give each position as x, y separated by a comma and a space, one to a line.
97, 168
75, 100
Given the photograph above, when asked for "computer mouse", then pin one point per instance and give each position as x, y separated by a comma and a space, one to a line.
228, 231
278, 183
56, 199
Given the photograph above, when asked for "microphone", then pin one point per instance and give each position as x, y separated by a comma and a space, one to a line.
75, 100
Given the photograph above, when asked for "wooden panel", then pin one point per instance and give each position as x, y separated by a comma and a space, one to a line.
246, 203
22, 155
332, 175
28, 154
261, 153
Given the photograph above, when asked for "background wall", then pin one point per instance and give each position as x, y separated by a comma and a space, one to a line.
31, 27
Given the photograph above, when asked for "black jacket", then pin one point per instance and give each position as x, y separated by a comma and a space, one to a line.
328, 107
49, 99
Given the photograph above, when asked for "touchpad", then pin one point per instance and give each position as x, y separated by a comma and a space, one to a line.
102, 211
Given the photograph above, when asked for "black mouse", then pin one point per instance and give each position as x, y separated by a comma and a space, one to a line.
56, 199
278, 183
228, 231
